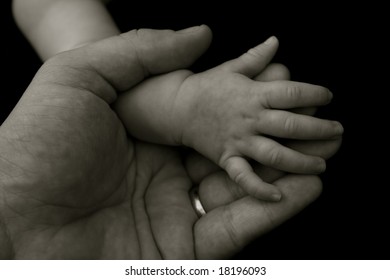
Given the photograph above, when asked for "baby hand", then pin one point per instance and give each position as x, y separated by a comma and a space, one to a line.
230, 118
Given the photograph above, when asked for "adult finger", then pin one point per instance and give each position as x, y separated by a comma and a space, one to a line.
198, 167
273, 72
308, 111
320, 148
120, 62
227, 230
217, 190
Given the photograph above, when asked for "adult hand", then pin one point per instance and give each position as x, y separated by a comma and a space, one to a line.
69, 175
73, 185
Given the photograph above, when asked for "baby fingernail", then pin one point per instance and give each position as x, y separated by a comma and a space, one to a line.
339, 128
276, 197
330, 95
321, 165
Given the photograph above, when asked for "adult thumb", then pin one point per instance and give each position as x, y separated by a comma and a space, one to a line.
127, 59
227, 229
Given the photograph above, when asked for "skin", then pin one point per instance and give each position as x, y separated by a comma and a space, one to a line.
54, 26
221, 113
102, 194
95, 234
228, 117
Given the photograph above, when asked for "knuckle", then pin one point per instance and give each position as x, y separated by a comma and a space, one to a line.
294, 93
252, 55
290, 125
233, 188
239, 177
136, 34
135, 38
130, 36
275, 156
255, 52
266, 96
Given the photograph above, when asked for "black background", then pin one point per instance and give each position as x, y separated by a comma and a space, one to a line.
322, 43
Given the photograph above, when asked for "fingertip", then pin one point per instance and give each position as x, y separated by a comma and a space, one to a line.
330, 94
339, 128
254, 61
321, 165
316, 187
302, 188
266, 192
271, 41
198, 41
206, 28
273, 195
190, 29
276, 197
208, 33
195, 29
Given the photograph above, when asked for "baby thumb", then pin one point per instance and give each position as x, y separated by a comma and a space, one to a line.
255, 60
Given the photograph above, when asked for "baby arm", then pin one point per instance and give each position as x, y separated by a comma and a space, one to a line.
230, 118
53, 26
